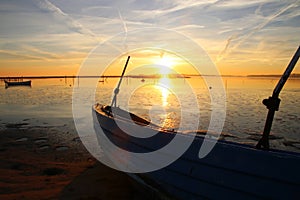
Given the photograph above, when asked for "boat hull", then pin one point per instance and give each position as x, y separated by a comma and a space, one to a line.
229, 170
21, 83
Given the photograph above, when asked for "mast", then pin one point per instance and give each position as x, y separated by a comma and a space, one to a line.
116, 91
272, 103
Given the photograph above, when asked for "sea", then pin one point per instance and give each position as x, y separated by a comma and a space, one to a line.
48, 102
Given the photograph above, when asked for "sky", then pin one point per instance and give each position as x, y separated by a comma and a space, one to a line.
55, 37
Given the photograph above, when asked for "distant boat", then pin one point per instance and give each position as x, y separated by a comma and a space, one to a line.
230, 171
17, 83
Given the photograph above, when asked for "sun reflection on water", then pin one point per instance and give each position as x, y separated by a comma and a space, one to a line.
160, 104
163, 87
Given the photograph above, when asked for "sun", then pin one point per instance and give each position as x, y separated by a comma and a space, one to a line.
166, 61
165, 64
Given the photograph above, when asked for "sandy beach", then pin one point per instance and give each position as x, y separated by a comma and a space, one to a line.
37, 164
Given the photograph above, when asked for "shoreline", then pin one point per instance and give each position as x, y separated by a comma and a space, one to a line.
37, 164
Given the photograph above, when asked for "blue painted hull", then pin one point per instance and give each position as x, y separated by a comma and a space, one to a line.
230, 170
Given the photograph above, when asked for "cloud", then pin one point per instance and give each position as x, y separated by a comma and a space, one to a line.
241, 38
15, 56
227, 29
64, 17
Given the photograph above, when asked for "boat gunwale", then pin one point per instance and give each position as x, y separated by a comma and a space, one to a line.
277, 152
137, 120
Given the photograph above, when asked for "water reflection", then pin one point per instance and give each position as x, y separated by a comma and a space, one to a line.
169, 118
154, 101
163, 86
245, 112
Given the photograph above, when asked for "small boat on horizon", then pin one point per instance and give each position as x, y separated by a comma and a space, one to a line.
230, 170
17, 83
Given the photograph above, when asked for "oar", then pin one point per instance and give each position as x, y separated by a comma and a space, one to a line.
116, 91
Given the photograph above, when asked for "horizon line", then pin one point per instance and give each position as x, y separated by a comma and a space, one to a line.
140, 76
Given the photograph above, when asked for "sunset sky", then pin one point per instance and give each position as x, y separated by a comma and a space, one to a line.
53, 37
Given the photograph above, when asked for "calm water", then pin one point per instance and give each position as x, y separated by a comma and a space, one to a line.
49, 103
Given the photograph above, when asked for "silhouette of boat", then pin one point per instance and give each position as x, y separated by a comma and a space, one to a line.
230, 170
17, 83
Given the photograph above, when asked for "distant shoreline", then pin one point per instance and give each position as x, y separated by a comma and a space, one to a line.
49, 77
273, 76
146, 76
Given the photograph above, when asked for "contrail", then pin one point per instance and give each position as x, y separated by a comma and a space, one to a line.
72, 24
125, 29
227, 44
123, 21
227, 50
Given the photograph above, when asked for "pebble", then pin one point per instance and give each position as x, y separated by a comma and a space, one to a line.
22, 139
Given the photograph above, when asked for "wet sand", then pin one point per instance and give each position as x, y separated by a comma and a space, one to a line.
37, 163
